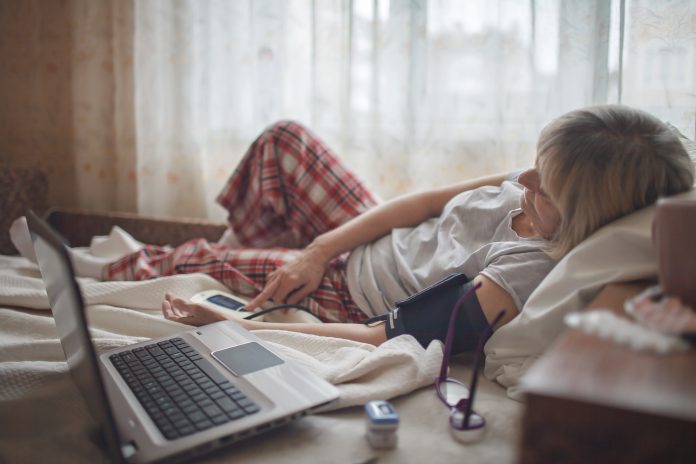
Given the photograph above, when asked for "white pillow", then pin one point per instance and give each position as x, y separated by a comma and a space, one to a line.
618, 252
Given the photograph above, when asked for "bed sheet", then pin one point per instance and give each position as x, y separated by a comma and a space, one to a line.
42, 416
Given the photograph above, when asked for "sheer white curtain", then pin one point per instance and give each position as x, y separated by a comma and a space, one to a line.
410, 93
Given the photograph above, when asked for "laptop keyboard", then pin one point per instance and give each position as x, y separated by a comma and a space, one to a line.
181, 391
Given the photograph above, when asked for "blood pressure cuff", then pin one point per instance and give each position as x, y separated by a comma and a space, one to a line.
426, 315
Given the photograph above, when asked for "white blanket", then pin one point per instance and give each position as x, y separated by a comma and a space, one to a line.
43, 419
121, 313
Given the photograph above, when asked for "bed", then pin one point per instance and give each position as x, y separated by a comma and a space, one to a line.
42, 416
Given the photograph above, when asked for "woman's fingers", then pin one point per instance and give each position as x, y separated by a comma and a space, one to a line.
291, 282
181, 310
279, 289
173, 310
184, 306
167, 309
264, 296
288, 285
172, 313
298, 294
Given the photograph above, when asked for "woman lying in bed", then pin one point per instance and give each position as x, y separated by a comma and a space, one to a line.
307, 231
358, 258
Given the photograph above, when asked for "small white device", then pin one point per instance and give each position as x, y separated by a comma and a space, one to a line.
606, 325
216, 299
236, 306
382, 423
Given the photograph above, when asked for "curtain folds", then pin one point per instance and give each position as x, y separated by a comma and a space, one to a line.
411, 93
103, 104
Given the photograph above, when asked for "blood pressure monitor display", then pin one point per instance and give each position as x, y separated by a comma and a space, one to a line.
226, 302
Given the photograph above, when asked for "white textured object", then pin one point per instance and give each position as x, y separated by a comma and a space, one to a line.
607, 325
50, 423
121, 313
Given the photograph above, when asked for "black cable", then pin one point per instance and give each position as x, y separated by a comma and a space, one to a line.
275, 308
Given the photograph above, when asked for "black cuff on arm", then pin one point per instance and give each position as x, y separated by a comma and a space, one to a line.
426, 315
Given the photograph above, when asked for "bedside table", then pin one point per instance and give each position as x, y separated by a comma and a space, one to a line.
589, 400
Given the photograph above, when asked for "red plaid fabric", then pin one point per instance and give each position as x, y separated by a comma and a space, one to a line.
288, 186
291, 185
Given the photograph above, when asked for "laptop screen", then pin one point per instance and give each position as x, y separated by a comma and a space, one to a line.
71, 324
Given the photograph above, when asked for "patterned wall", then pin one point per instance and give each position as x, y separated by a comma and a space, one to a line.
36, 92
62, 112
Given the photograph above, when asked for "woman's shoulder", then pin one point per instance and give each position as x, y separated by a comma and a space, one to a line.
505, 197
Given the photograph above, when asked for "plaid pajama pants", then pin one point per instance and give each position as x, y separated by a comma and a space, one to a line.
288, 189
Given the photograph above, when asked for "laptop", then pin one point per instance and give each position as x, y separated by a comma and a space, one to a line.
174, 398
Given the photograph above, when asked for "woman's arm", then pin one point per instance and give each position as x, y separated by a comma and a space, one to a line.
180, 310
491, 296
298, 279
405, 211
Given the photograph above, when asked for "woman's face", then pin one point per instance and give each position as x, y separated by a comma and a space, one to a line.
537, 205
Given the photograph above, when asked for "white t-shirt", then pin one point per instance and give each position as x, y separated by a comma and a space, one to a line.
473, 235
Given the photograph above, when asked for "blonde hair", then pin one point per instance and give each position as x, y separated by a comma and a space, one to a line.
600, 163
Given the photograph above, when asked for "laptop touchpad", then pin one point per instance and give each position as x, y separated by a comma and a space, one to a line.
247, 358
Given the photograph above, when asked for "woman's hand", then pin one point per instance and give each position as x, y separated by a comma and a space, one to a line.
179, 310
294, 280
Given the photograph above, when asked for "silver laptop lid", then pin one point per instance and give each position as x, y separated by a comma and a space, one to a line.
68, 310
